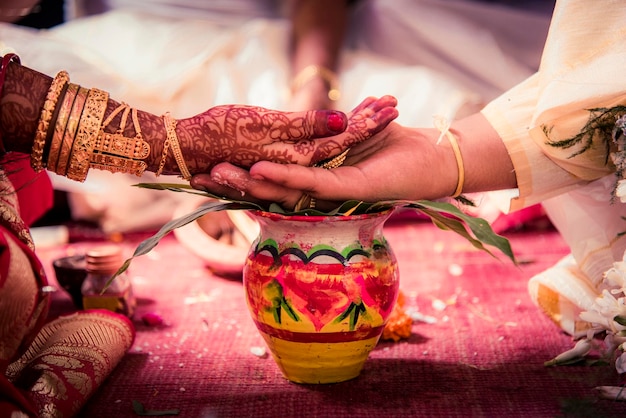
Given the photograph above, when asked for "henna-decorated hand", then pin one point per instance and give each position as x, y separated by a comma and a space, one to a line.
399, 163
243, 135
389, 166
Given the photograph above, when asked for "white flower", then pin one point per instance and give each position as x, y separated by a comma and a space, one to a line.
620, 364
620, 191
616, 276
610, 304
577, 353
613, 342
596, 318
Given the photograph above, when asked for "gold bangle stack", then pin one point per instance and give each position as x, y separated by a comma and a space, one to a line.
70, 130
86, 134
60, 126
78, 141
52, 97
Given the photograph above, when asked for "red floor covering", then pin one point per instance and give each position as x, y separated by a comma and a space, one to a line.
480, 356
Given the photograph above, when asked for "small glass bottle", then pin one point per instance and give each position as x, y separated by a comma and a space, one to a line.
101, 264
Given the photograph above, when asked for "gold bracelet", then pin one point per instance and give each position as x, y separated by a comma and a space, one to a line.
69, 135
117, 153
117, 144
306, 201
459, 163
166, 146
170, 127
87, 133
59, 126
310, 72
116, 164
335, 162
36, 156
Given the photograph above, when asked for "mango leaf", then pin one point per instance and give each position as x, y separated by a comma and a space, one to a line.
480, 227
444, 215
148, 244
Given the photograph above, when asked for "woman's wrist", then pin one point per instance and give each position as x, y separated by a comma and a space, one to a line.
78, 128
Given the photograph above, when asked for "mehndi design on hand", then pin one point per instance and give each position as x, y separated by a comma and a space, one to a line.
243, 135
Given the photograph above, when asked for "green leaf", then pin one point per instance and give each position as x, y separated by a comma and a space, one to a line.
480, 227
451, 224
444, 215
148, 244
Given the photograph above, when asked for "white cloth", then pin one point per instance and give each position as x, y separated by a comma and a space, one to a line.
149, 55
581, 69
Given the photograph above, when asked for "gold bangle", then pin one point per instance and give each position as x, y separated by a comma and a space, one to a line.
87, 132
459, 163
170, 126
69, 135
308, 202
310, 72
166, 146
36, 156
59, 126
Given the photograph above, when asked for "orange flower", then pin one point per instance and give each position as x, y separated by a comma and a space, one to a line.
399, 323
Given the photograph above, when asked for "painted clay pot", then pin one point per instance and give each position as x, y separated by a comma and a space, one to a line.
320, 290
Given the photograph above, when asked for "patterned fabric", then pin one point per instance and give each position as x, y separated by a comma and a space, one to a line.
10, 204
48, 370
70, 358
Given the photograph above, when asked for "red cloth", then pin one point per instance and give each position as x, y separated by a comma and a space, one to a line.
34, 190
18, 330
46, 369
481, 356
12, 401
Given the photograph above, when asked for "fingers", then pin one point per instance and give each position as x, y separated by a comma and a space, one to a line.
332, 185
327, 123
366, 120
363, 105
205, 182
320, 123
374, 104
235, 183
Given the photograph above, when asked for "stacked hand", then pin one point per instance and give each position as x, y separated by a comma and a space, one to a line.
394, 163
243, 135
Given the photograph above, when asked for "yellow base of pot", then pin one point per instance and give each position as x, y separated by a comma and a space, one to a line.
315, 363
